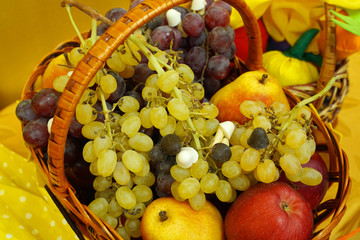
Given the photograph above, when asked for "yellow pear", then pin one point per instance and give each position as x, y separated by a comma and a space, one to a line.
252, 85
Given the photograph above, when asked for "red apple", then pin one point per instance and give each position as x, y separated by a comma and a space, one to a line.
269, 211
313, 194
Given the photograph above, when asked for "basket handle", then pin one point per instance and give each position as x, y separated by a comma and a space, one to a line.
329, 59
101, 51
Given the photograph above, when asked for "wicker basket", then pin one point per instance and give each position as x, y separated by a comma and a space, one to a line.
65, 195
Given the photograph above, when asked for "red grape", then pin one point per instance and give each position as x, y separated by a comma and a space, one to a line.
24, 111
217, 16
35, 133
45, 101
218, 67
196, 59
221, 39
193, 24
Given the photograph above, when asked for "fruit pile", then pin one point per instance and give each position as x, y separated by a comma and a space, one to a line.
149, 127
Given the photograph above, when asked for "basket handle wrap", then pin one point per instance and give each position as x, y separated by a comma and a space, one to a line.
102, 50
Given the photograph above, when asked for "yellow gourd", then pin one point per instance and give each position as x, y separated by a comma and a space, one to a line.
294, 66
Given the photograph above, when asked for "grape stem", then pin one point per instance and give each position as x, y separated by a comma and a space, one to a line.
86, 9
293, 112
176, 91
74, 25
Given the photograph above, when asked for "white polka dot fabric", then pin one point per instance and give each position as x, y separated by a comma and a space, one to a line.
26, 209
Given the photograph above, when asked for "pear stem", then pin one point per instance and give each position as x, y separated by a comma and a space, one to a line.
162, 215
263, 78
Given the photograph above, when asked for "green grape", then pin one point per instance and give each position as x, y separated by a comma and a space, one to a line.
189, 188
131, 126
115, 210
158, 117
131, 58
236, 152
293, 125
136, 212
126, 116
107, 162
92, 129
141, 142
245, 136
266, 171
198, 201
235, 137
278, 108
147, 180
125, 197
144, 116
175, 191
142, 193
93, 168
149, 93
250, 108
200, 125
295, 138
108, 194
250, 159
121, 174
108, 83
132, 161
296, 177
151, 81
303, 114
231, 169
168, 81
112, 221
199, 169
101, 183
146, 167
241, 183
85, 113
99, 207
123, 234
209, 183
224, 191
210, 110
113, 120
185, 72
290, 164
89, 97
198, 90
179, 173
211, 127
169, 128
75, 55
311, 177
178, 109
100, 143
88, 152
132, 227
304, 153
60, 82
115, 62
128, 104
261, 121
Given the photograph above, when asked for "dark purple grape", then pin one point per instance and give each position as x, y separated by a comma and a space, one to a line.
162, 37
79, 174
230, 54
45, 102
73, 151
134, 3
101, 28
220, 153
193, 24
177, 39
196, 59
183, 11
115, 13
35, 133
154, 23
164, 182
75, 128
258, 139
24, 111
208, 3
141, 73
120, 89
217, 16
170, 144
221, 39
222, 4
211, 86
99, 108
198, 41
218, 67
167, 164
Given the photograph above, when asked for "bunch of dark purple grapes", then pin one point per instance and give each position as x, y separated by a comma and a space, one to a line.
203, 40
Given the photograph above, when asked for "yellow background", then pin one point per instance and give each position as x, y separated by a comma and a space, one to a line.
31, 29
